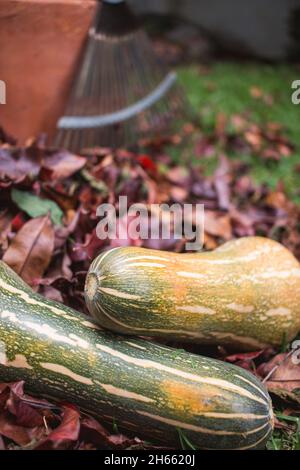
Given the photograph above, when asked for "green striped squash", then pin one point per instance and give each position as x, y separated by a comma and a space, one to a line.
245, 294
156, 392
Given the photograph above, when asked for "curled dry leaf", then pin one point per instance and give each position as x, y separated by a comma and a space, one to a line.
65, 434
218, 226
246, 360
284, 370
18, 434
21, 419
25, 414
61, 165
30, 252
18, 163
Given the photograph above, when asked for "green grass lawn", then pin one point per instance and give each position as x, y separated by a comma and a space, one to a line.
225, 88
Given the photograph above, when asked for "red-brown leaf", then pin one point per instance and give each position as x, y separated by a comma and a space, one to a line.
30, 252
286, 372
92, 431
65, 434
17, 163
19, 434
62, 164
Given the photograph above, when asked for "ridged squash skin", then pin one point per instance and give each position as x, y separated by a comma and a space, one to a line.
245, 294
151, 390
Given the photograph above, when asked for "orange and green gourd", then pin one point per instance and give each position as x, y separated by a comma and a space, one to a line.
156, 392
245, 294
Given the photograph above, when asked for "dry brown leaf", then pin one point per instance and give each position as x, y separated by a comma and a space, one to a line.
284, 370
5, 228
178, 175
18, 163
220, 127
222, 183
19, 434
30, 252
284, 150
179, 194
218, 226
256, 92
278, 200
254, 138
210, 243
238, 122
63, 164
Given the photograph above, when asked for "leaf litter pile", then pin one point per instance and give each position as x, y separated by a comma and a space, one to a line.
48, 203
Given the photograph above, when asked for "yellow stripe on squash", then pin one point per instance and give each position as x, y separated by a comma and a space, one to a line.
245, 294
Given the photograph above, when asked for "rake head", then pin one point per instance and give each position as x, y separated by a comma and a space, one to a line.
123, 92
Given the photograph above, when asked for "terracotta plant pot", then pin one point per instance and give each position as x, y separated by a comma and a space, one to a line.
41, 43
